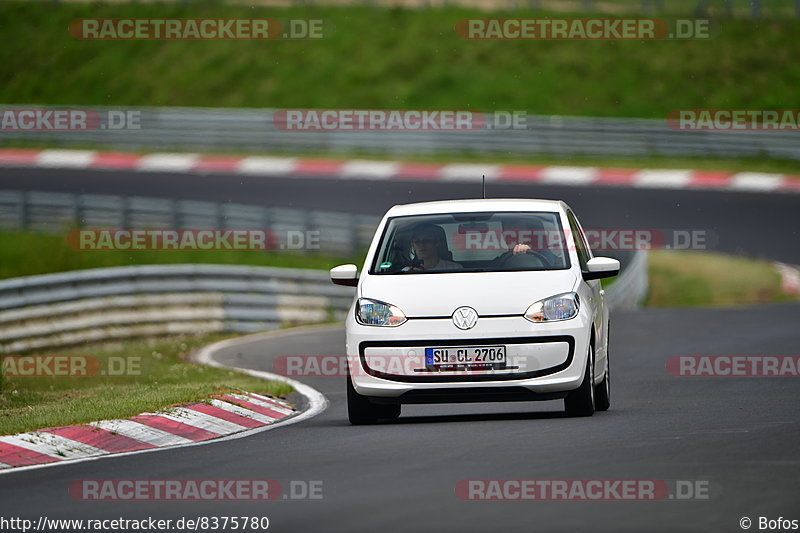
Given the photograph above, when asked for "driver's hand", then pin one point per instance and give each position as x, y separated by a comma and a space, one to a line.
521, 249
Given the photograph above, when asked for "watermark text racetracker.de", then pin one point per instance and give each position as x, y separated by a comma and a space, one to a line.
398, 120
72, 366
732, 366
408, 363
582, 29
198, 29
547, 490
598, 239
192, 239
458, 361
72, 119
195, 490
379, 119
402, 120
734, 120
173, 490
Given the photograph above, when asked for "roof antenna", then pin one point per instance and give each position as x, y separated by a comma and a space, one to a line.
484, 186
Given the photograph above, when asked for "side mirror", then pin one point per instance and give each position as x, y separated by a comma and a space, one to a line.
601, 267
346, 275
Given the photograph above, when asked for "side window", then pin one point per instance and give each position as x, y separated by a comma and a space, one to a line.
579, 240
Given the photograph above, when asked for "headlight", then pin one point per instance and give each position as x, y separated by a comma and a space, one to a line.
375, 313
559, 307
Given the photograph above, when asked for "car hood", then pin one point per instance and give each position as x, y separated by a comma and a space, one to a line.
489, 293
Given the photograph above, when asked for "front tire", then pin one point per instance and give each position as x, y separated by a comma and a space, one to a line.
602, 392
580, 402
362, 412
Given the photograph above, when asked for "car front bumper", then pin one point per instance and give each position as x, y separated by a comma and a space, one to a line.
544, 360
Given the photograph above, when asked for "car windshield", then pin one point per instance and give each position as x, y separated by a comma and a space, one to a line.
472, 242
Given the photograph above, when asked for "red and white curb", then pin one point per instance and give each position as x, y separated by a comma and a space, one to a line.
397, 170
221, 416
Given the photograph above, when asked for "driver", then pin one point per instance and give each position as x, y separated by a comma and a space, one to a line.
522, 229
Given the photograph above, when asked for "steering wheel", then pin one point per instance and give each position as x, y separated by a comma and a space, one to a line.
523, 260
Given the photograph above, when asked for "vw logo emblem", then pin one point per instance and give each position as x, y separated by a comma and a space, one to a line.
465, 317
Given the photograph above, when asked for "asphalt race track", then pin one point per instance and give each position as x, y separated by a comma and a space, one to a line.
736, 436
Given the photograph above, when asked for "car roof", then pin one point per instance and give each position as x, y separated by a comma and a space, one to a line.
477, 205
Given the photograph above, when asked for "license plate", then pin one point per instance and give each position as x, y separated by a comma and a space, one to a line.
482, 356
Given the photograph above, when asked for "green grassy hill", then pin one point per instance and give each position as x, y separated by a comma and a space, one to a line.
390, 58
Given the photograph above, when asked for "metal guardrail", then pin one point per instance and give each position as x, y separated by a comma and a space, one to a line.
255, 130
339, 233
629, 289
85, 306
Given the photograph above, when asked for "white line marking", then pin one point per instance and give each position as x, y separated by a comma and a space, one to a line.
65, 158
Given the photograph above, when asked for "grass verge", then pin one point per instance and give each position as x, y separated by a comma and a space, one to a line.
21, 255
691, 278
156, 376
391, 58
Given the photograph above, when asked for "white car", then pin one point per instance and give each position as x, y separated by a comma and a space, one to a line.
476, 301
